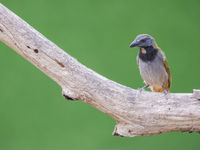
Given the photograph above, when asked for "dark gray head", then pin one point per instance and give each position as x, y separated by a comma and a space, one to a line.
143, 40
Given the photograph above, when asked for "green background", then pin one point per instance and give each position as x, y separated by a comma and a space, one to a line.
33, 113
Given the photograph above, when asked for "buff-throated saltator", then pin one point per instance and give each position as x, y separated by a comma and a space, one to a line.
152, 64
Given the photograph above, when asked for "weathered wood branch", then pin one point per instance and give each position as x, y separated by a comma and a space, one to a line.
136, 113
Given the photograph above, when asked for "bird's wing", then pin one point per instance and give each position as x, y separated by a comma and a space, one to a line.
166, 65
168, 72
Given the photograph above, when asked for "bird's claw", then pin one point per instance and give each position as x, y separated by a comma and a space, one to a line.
165, 92
141, 90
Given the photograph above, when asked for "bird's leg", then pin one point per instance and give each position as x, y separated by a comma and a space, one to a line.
146, 86
143, 88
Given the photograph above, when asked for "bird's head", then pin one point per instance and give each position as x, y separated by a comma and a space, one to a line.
143, 40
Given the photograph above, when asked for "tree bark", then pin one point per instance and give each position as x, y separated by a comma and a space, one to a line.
136, 113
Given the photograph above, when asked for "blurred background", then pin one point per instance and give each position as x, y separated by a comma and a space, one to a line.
33, 113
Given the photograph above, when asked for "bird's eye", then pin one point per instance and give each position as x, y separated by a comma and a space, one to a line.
143, 40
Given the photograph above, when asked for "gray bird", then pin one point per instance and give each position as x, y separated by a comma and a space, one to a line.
152, 64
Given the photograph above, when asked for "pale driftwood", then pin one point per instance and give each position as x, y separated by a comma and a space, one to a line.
136, 113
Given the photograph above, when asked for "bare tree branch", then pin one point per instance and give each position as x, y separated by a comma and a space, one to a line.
137, 113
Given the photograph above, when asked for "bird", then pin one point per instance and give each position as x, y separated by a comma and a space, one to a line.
152, 63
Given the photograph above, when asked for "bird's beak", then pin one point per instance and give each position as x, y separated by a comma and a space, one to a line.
133, 44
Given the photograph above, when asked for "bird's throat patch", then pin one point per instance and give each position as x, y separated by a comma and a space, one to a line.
147, 53
143, 50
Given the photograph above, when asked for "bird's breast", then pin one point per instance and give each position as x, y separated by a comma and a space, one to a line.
153, 72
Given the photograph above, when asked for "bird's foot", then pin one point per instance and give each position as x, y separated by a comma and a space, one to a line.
165, 92
143, 89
